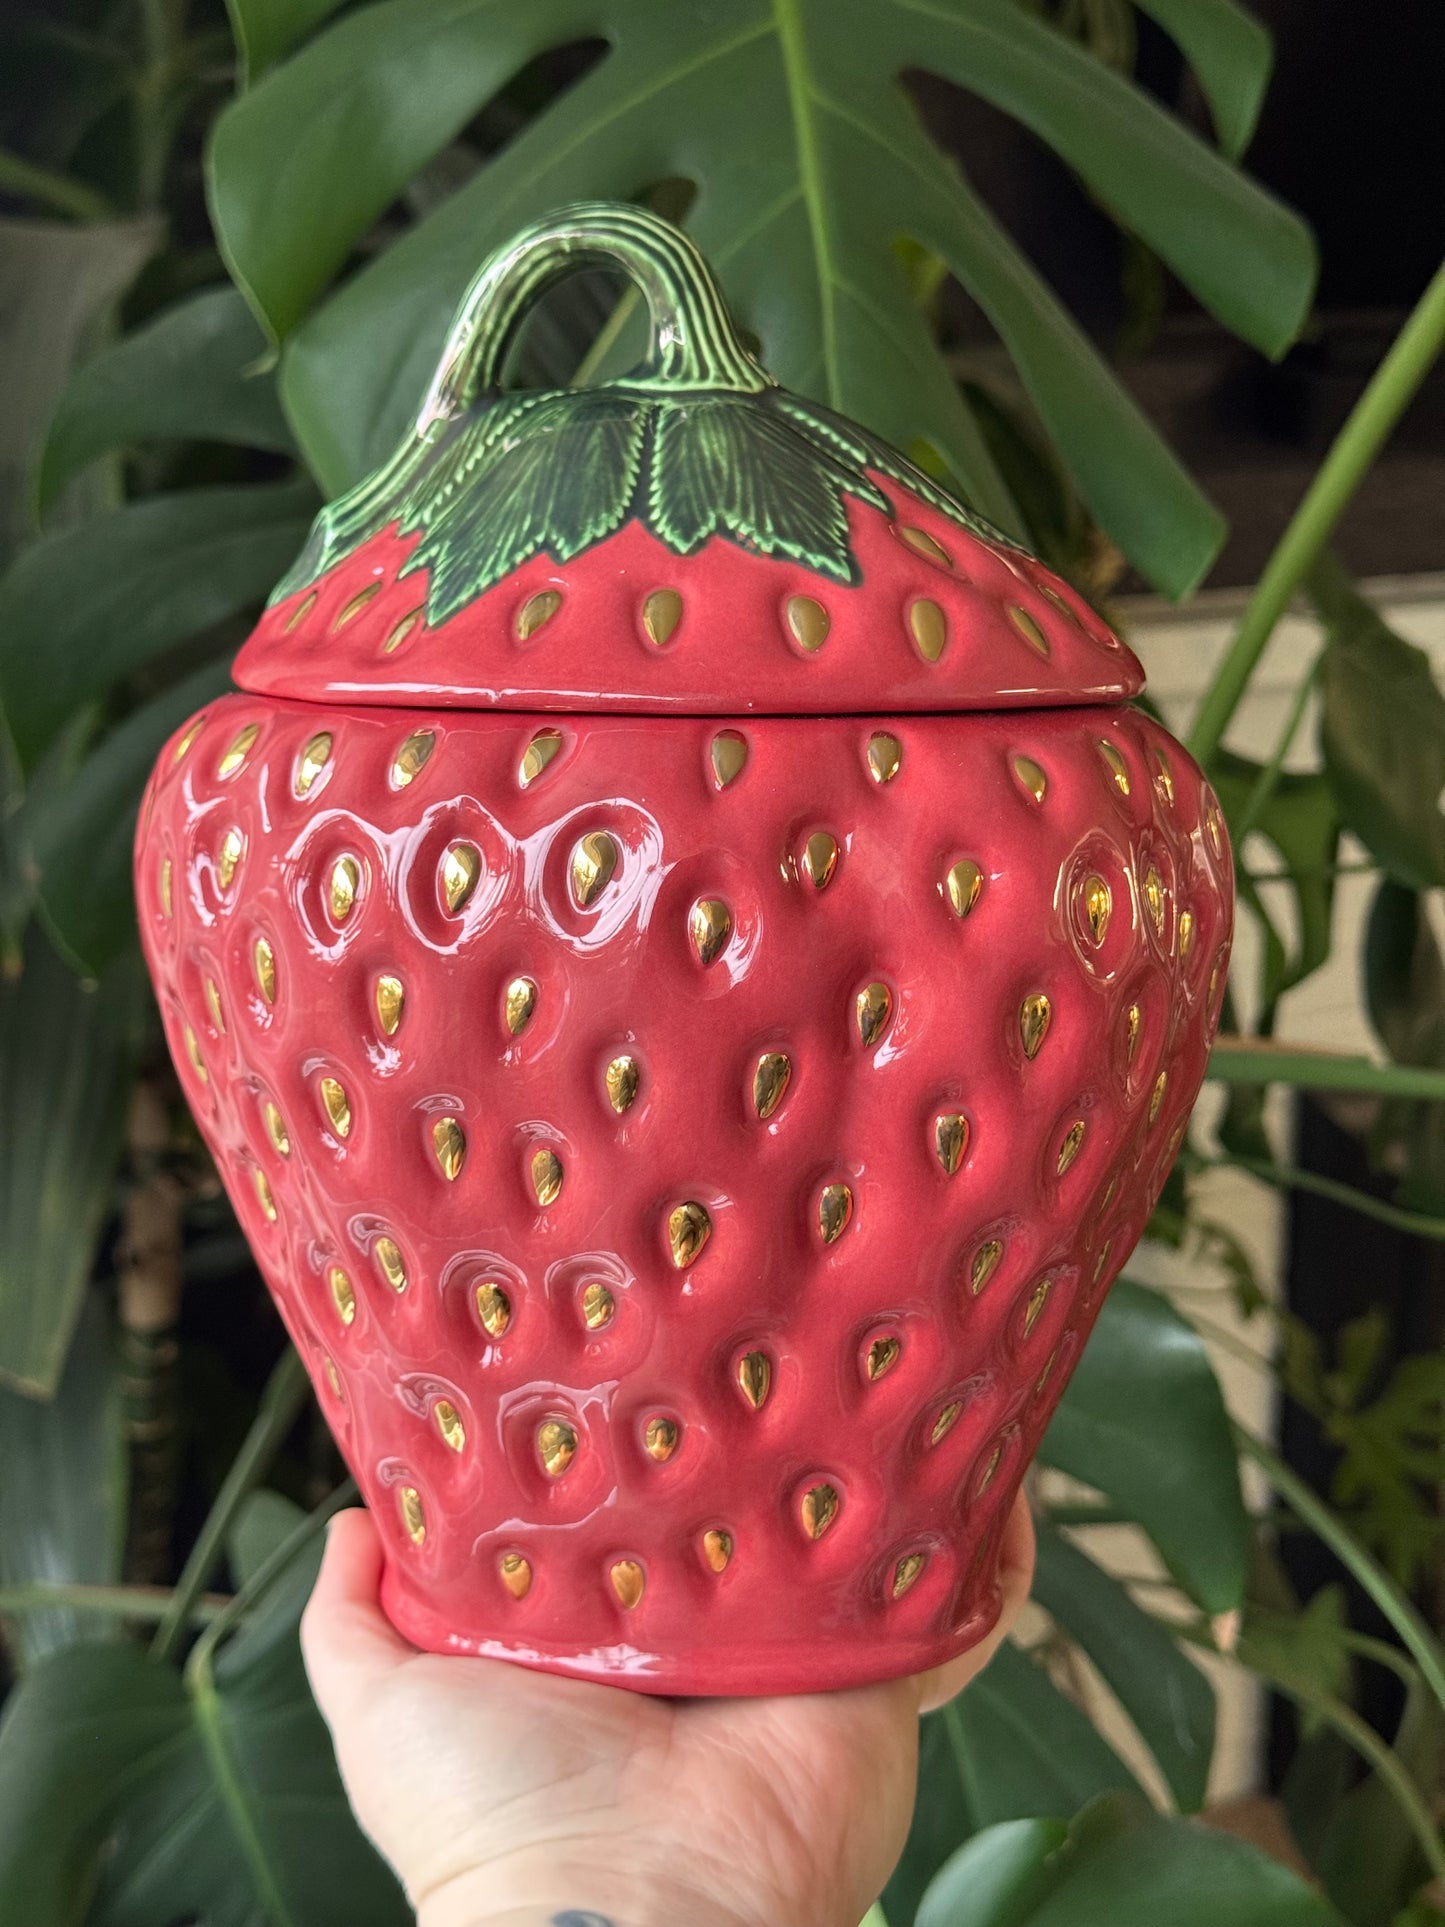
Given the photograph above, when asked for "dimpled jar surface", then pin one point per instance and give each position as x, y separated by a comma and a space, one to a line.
693, 977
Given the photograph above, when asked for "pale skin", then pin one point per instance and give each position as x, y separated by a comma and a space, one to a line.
505, 1797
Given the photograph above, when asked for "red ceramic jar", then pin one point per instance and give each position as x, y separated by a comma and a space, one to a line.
693, 977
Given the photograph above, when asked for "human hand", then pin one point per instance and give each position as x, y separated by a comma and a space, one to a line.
506, 1797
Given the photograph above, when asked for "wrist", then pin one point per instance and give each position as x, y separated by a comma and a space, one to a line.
538, 1893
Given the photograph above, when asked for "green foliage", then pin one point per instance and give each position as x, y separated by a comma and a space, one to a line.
1143, 1376
1117, 1866
364, 167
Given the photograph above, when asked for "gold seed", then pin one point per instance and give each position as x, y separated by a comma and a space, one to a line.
193, 1051
1131, 1030
1213, 980
950, 1140
1098, 907
755, 1375
390, 996
1115, 765
808, 621
988, 1472
333, 1377
729, 754
1031, 776
930, 628
276, 1129
1047, 1373
820, 859
1154, 897
357, 603
985, 1264
688, 1230
412, 758
1034, 1014
343, 1295
1163, 778
661, 614
906, 1572
1051, 594
872, 1008
1037, 1300
241, 746
166, 886
835, 1212
403, 629
449, 1424
345, 882
622, 1078
660, 1439
521, 1002
964, 883
263, 962
709, 924
494, 1308
717, 1549
598, 1306
461, 867
546, 1177
535, 611
213, 1002
229, 857
516, 1574
412, 1515
882, 1356
338, 1105
556, 1445
925, 545
1071, 1145
945, 1422
1157, 1099
593, 862
183, 747
264, 1196
885, 757
538, 754
314, 758
450, 1146
1185, 932
299, 614
820, 1509
1102, 1259
770, 1082
627, 1582
1029, 629
1212, 824
387, 1253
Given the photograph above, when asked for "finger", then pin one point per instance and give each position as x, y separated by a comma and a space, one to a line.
1015, 1577
347, 1641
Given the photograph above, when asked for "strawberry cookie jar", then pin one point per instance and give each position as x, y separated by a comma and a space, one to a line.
693, 977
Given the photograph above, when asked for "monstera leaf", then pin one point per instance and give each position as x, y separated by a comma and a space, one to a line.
810, 169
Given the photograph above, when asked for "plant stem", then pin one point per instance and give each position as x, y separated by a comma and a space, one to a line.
282, 1399
1414, 1634
1287, 1177
1264, 783
113, 1602
1241, 1060
58, 192
1348, 1724
1354, 449
266, 1574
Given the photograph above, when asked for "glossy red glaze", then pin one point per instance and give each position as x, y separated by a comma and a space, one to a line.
225, 860
1013, 634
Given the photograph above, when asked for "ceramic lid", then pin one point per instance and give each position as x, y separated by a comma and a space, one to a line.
690, 538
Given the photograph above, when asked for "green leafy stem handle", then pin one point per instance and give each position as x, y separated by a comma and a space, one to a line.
693, 341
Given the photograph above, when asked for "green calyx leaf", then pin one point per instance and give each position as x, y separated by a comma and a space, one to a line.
555, 472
